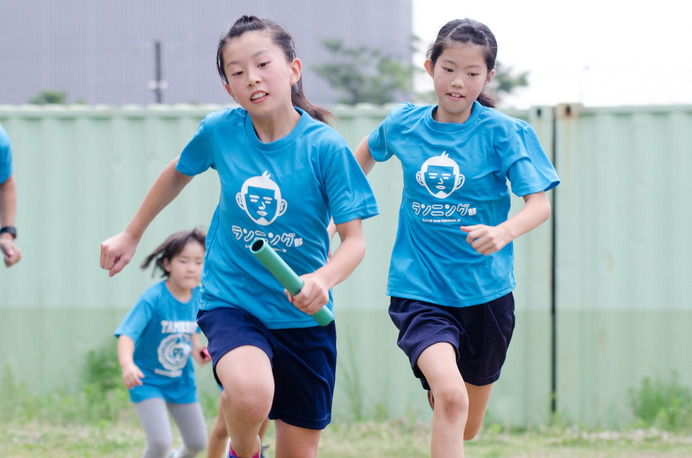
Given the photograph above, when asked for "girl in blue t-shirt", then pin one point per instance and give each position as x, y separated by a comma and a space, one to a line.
451, 273
155, 341
284, 173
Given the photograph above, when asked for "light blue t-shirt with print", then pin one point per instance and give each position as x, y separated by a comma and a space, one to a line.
456, 175
5, 156
284, 191
162, 327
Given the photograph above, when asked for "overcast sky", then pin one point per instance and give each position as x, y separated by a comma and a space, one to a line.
597, 52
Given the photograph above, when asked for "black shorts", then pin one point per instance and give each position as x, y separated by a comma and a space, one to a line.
303, 362
480, 334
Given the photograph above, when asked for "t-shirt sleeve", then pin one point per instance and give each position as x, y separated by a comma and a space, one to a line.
348, 190
136, 321
528, 167
198, 155
377, 140
5, 156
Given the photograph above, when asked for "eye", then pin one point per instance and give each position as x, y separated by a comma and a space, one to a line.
447, 69
474, 74
263, 64
238, 73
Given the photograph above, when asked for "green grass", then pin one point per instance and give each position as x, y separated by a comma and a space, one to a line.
99, 421
389, 439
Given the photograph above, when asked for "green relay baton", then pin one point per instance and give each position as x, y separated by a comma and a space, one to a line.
286, 276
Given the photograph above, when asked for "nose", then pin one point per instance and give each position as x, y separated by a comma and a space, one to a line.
252, 79
458, 82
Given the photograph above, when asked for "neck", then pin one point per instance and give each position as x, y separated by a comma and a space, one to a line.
277, 126
181, 294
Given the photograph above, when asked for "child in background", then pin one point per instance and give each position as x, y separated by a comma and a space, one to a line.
451, 274
155, 341
284, 173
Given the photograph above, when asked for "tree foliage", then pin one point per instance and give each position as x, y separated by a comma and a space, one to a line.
506, 81
366, 75
49, 97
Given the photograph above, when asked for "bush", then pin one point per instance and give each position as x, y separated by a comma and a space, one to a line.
101, 396
667, 406
104, 393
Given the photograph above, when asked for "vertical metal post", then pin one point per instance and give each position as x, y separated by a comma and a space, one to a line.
158, 92
553, 294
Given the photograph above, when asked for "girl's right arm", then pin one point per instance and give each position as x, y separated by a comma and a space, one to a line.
132, 376
117, 251
366, 163
364, 157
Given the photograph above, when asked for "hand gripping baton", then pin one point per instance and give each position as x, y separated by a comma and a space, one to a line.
286, 276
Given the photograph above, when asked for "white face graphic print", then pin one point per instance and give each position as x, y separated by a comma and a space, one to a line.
260, 197
440, 175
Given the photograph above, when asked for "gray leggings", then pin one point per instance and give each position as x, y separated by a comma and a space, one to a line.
153, 413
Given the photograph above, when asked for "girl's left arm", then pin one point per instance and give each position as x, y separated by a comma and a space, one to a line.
315, 291
490, 239
197, 350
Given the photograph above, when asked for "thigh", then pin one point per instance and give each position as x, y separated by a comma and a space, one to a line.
488, 331
295, 442
438, 364
190, 421
304, 372
423, 325
246, 374
228, 329
153, 415
478, 403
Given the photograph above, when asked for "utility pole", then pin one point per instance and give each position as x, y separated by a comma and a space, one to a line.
158, 84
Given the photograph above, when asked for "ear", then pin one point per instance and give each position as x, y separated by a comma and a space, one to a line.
230, 92
491, 75
296, 71
167, 265
429, 66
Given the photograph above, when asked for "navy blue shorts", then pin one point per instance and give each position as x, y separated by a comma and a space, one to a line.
303, 362
480, 334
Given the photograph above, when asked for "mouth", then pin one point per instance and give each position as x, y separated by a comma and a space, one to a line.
455, 95
258, 95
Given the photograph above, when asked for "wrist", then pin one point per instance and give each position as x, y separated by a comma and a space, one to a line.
8, 232
134, 234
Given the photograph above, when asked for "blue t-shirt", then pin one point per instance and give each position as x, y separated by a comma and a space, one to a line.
456, 175
284, 191
5, 156
162, 327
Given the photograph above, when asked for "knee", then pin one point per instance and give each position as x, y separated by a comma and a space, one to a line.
219, 431
452, 402
196, 444
158, 446
252, 403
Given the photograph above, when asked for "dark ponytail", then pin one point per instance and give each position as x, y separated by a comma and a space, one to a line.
283, 40
465, 31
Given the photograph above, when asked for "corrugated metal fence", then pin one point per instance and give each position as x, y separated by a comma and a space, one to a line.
600, 301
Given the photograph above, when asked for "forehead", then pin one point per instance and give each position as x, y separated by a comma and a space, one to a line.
463, 54
192, 248
249, 45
